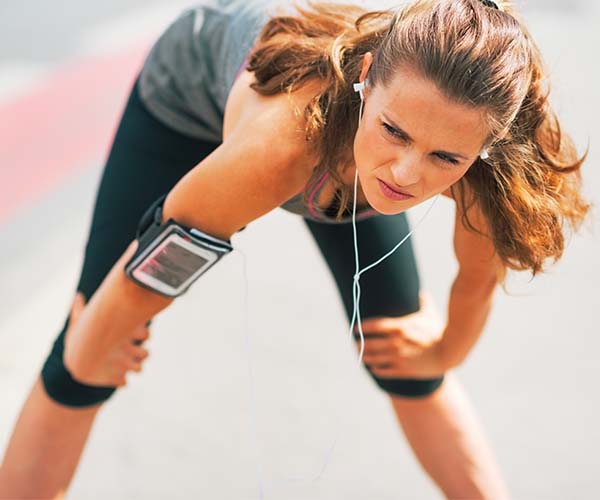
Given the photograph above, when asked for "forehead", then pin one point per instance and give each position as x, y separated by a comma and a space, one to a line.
418, 106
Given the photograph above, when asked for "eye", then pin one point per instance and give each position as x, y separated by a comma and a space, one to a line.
447, 159
389, 130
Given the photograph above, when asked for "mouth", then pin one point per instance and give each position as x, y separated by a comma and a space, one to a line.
392, 192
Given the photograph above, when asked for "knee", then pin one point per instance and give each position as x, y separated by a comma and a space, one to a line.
408, 387
61, 387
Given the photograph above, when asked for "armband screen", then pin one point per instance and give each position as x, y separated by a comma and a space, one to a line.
172, 264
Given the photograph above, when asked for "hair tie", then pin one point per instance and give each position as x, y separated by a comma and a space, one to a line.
490, 3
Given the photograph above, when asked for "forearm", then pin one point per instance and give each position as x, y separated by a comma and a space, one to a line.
125, 302
468, 309
116, 310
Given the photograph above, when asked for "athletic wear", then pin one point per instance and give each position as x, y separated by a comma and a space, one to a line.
172, 121
145, 149
191, 69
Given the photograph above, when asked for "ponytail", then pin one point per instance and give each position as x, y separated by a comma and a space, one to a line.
529, 188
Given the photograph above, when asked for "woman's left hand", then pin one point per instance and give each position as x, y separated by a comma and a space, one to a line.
404, 346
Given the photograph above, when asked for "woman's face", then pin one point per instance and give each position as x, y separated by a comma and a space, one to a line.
415, 140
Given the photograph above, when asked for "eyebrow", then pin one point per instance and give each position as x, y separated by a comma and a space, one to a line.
410, 139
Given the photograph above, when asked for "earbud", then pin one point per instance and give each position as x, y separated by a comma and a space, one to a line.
484, 155
356, 292
359, 87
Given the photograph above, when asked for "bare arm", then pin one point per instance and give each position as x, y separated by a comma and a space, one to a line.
472, 291
262, 163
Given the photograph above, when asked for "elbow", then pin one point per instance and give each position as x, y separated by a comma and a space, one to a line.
479, 283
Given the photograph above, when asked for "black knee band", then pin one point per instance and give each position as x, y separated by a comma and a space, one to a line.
62, 387
408, 387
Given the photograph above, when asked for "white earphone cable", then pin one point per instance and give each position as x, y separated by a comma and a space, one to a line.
356, 314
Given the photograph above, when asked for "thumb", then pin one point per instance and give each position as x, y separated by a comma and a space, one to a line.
426, 300
370, 325
77, 307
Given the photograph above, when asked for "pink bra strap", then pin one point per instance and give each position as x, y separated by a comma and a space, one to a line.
314, 191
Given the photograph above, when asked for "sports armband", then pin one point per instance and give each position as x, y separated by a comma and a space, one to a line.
171, 256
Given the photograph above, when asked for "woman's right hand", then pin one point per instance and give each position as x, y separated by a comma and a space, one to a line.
100, 342
112, 359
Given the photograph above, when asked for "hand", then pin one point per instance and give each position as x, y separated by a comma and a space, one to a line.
405, 346
103, 337
111, 361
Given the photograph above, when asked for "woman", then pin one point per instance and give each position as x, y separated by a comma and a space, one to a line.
455, 103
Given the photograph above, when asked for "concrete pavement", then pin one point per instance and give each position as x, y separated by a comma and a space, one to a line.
180, 430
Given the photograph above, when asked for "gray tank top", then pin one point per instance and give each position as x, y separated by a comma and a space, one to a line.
190, 70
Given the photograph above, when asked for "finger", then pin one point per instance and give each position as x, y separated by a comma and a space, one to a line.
139, 341
77, 307
369, 336
137, 353
368, 325
375, 345
117, 376
140, 334
132, 365
371, 352
393, 352
386, 372
381, 360
426, 300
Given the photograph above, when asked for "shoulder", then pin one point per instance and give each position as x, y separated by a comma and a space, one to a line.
279, 117
263, 161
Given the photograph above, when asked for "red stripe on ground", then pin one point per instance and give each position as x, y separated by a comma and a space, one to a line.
62, 127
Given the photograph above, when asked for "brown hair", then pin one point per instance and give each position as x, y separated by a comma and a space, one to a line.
527, 189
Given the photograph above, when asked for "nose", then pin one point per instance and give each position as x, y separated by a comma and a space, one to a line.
406, 171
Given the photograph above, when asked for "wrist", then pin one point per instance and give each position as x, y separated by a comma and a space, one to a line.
128, 296
135, 295
448, 357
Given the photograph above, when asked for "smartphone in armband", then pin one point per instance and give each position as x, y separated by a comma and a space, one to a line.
171, 256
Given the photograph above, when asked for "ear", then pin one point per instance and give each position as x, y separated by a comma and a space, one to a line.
366, 64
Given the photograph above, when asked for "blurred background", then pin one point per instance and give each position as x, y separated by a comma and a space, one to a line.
181, 428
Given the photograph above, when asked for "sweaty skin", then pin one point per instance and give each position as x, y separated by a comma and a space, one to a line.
435, 125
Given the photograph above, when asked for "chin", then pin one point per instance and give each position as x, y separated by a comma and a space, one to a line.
388, 209
395, 212
391, 207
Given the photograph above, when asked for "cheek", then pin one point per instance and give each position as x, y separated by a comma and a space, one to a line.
362, 151
369, 146
440, 179
458, 173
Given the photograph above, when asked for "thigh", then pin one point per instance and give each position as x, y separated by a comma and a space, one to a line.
389, 289
146, 160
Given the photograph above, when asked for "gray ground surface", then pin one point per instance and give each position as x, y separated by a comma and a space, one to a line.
180, 430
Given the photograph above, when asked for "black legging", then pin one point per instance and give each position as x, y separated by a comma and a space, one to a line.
146, 160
